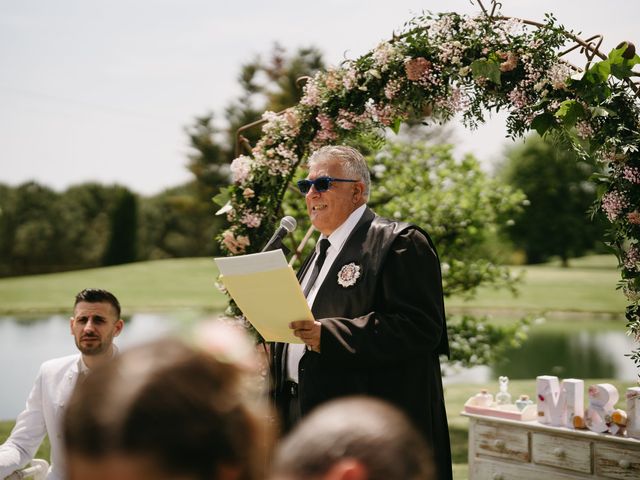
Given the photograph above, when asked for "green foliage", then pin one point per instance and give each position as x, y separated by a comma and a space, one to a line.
123, 230
486, 69
454, 201
177, 223
45, 231
559, 195
476, 341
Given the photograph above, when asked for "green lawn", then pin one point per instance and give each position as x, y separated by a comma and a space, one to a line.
144, 286
587, 286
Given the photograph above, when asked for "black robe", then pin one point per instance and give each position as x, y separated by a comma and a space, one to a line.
383, 335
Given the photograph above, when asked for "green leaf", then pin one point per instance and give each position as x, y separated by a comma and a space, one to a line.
620, 66
598, 73
569, 112
395, 126
223, 197
486, 69
542, 123
602, 112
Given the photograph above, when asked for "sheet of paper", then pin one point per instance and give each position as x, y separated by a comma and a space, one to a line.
251, 263
267, 291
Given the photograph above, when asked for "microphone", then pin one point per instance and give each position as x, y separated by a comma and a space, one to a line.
287, 225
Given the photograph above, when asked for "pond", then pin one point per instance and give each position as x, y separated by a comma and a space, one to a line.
565, 349
585, 348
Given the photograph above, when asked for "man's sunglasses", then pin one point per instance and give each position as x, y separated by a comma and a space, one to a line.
322, 184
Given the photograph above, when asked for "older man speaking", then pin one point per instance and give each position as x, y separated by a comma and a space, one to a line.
375, 289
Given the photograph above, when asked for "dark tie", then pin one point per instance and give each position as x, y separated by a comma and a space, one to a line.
317, 266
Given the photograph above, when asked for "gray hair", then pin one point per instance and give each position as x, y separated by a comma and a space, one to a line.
352, 162
368, 430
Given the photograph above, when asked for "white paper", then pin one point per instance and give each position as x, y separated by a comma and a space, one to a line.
251, 263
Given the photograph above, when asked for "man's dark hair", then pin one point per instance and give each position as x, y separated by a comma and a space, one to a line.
96, 295
369, 431
177, 406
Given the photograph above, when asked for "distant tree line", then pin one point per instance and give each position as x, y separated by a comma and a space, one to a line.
93, 225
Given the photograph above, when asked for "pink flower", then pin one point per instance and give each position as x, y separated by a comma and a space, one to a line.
327, 131
293, 121
241, 169
248, 193
251, 220
455, 102
613, 203
584, 129
558, 75
381, 113
332, 80
384, 54
350, 79
392, 88
417, 68
631, 173
632, 258
510, 61
634, 217
235, 244
311, 96
518, 98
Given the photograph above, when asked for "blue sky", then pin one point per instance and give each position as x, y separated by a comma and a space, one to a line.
102, 90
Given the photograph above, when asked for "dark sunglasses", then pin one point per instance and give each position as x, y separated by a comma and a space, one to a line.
322, 184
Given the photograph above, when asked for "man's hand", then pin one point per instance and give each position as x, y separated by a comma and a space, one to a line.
309, 332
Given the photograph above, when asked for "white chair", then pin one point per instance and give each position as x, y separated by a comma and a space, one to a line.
37, 470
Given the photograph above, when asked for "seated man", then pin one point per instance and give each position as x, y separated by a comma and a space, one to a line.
354, 438
95, 322
166, 411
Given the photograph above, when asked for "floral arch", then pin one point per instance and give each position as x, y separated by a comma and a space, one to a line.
445, 64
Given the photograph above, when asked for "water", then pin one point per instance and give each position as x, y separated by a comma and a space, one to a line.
567, 351
26, 343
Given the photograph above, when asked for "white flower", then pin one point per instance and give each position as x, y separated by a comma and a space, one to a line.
348, 275
241, 169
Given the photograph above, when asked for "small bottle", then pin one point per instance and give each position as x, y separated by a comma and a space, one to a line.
523, 401
503, 397
483, 399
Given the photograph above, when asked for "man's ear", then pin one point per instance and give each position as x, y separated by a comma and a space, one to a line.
358, 192
119, 325
347, 469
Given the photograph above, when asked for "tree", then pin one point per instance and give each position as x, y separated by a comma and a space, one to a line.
559, 193
176, 223
84, 211
123, 230
30, 234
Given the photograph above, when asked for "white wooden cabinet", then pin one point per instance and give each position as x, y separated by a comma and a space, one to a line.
502, 449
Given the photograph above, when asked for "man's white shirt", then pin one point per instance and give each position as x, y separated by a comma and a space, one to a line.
43, 415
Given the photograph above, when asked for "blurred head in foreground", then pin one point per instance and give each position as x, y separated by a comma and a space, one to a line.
354, 438
165, 411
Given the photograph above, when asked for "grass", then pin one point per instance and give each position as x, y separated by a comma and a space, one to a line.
144, 286
455, 396
588, 285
